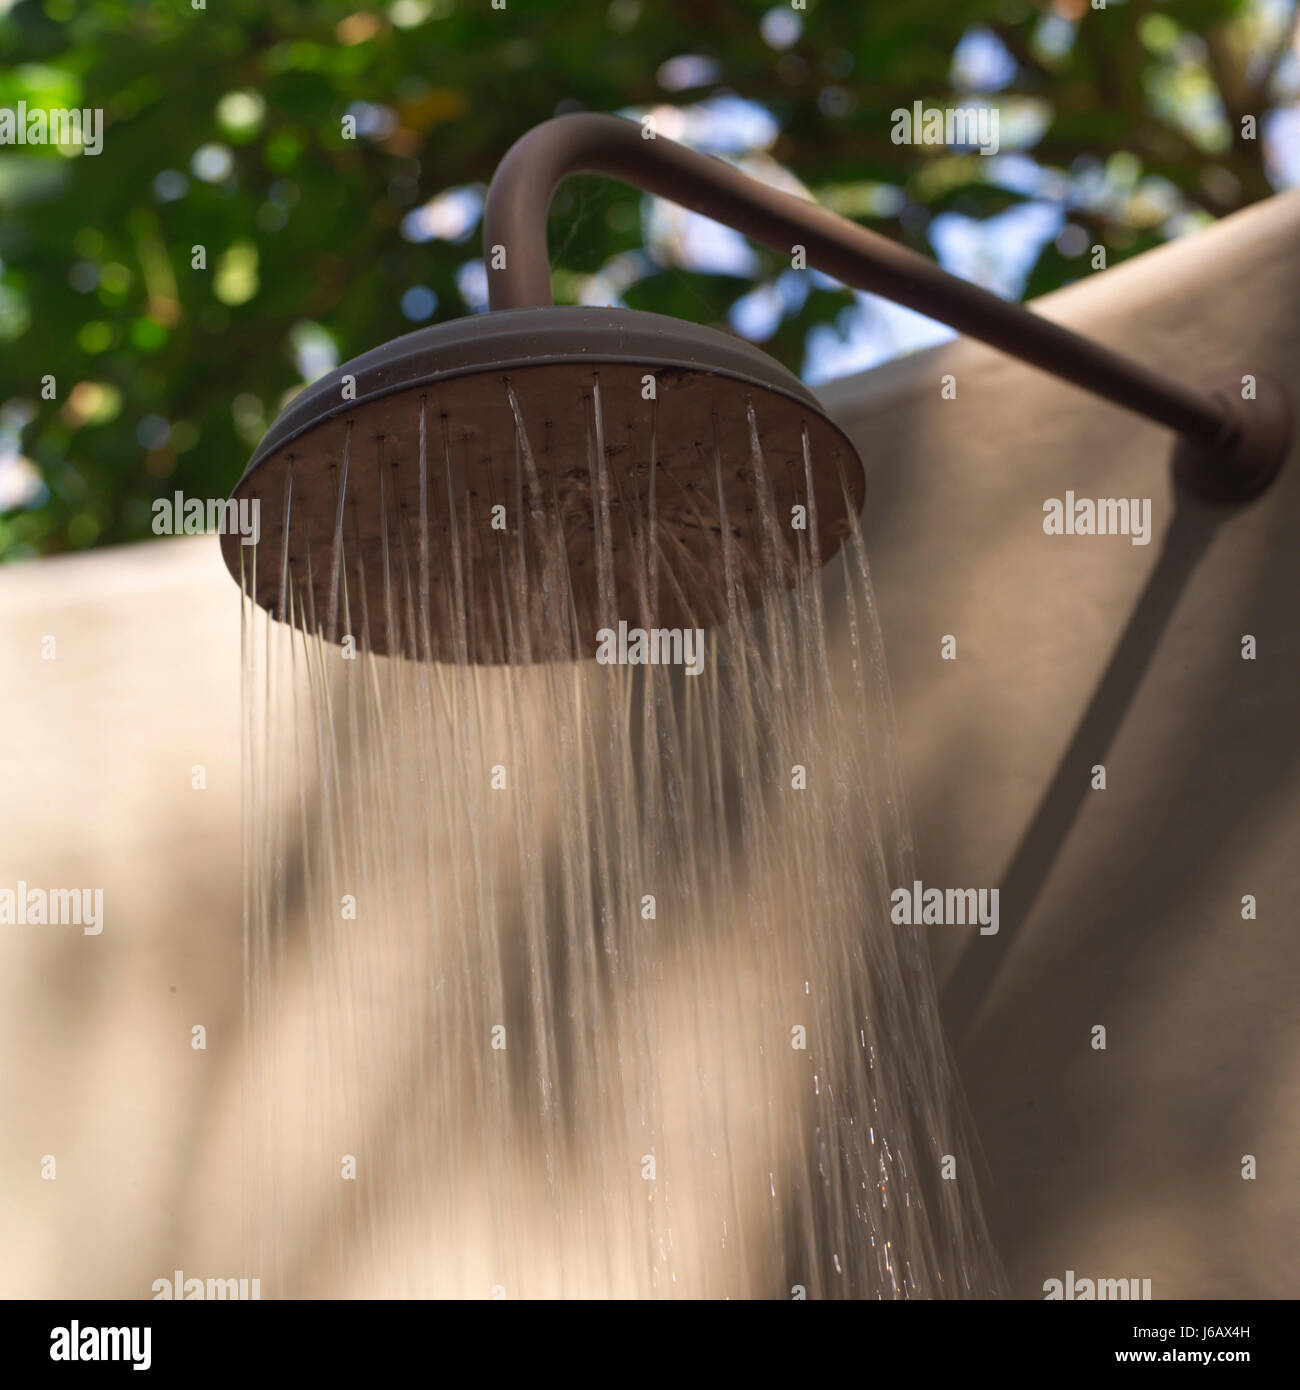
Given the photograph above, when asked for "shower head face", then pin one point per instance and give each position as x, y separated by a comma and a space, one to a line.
502, 488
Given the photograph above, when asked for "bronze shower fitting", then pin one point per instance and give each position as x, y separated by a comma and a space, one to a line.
1230, 448
389, 465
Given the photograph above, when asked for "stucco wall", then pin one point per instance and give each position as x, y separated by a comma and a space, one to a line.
1120, 907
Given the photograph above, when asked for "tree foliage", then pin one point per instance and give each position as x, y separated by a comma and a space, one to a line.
224, 129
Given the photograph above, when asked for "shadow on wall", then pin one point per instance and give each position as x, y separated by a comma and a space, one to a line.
1185, 543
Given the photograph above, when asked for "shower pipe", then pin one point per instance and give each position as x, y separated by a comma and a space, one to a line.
1231, 447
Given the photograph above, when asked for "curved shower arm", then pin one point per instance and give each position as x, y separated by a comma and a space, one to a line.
514, 229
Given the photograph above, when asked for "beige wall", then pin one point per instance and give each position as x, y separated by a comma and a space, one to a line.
1117, 1163
1074, 651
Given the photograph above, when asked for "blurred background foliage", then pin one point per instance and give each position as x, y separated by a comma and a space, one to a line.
224, 128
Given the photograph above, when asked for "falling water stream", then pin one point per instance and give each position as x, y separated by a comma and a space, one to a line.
571, 979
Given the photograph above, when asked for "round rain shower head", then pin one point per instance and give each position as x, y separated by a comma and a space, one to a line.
503, 487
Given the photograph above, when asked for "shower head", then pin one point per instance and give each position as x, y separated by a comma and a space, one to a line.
503, 487
500, 488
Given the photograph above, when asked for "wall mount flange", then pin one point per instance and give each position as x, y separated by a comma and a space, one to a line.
1257, 445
